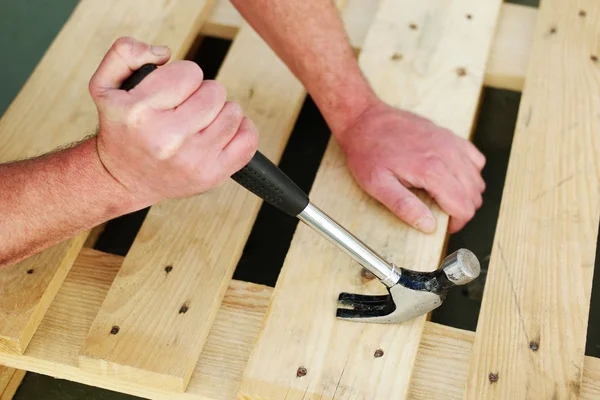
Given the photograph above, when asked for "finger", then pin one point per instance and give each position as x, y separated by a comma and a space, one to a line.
242, 147
468, 175
199, 111
448, 191
456, 225
222, 130
474, 154
169, 86
125, 56
403, 203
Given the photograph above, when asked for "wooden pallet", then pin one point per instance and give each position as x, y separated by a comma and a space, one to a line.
190, 332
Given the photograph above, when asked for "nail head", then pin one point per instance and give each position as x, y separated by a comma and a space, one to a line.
30, 271
301, 372
534, 346
168, 268
378, 353
493, 377
114, 330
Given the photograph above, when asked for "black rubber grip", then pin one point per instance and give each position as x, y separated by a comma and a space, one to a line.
260, 175
138, 76
267, 181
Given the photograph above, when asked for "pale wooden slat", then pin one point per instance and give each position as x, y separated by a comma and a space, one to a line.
440, 369
300, 329
9, 387
508, 59
201, 238
443, 364
94, 235
540, 274
54, 108
509, 54
54, 348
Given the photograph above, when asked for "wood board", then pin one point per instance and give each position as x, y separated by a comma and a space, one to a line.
507, 63
440, 369
300, 331
64, 112
533, 321
200, 238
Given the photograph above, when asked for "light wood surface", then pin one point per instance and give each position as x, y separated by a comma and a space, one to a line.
507, 63
300, 329
443, 365
54, 348
508, 59
440, 369
533, 321
10, 379
54, 108
201, 238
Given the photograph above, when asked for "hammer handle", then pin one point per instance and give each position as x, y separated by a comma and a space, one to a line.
260, 176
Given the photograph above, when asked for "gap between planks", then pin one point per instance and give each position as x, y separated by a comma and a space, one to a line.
506, 65
440, 370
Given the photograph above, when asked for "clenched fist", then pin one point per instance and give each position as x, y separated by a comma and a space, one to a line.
171, 136
390, 150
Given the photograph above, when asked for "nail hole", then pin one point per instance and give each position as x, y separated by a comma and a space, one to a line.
461, 71
582, 13
378, 353
534, 346
413, 27
397, 57
469, 16
594, 57
183, 309
493, 377
301, 372
114, 330
366, 275
552, 30
30, 271
168, 268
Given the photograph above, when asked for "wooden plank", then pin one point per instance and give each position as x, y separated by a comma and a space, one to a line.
507, 63
300, 329
94, 235
533, 321
9, 388
54, 348
443, 365
440, 370
64, 112
508, 59
201, 238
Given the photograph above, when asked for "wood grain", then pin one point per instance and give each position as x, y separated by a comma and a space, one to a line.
64, 112
511, 49
55, 346
9, 386
540, 273
201, 238
442, 366
300, 329
507, 63
440, 370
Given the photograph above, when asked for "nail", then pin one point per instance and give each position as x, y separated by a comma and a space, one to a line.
426, 224
159, 50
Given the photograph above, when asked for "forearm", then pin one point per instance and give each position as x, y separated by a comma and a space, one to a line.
309, 36
54, 197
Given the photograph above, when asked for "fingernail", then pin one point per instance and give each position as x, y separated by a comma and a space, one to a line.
159, 50
426, 224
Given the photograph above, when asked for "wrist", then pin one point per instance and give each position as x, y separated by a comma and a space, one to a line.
108, 193
347, 104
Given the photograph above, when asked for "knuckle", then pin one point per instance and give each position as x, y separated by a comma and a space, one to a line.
136, 115
125, 46
189, 70
434, 166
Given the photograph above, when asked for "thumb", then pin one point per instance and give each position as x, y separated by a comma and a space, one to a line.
404, 203
124, 57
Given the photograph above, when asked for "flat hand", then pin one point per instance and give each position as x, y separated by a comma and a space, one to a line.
389, 150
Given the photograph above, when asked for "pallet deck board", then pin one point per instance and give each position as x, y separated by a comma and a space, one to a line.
440, 369
509, 55
64, 112
338, 355
539, 280
201, 238
9, 386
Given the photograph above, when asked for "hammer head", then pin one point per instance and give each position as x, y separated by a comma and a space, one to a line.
415, 294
